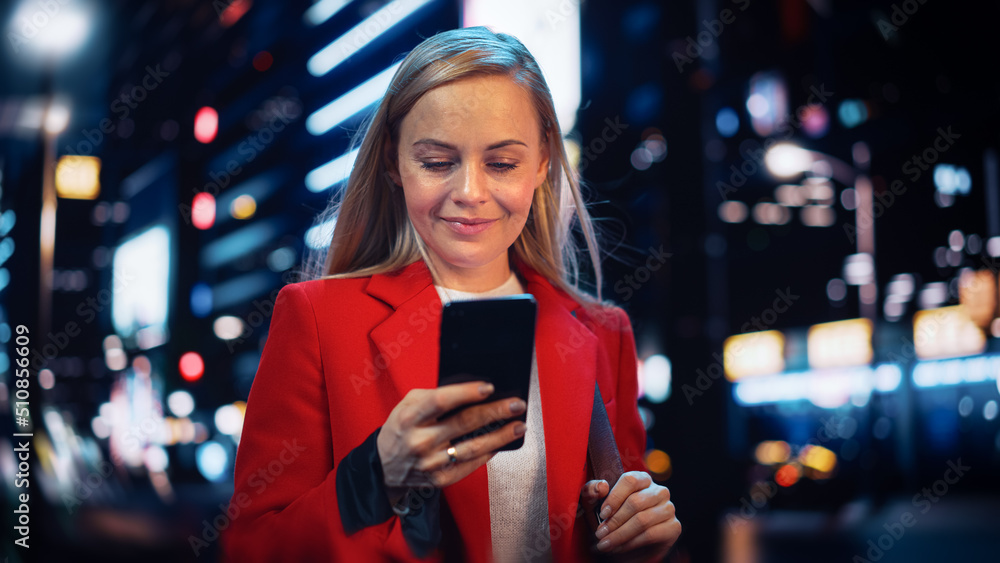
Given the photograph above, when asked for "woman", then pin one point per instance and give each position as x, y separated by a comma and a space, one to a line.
461, 190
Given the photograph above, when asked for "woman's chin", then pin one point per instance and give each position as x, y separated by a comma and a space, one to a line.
469, 261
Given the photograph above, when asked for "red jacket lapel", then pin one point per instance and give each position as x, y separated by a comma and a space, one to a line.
566, 355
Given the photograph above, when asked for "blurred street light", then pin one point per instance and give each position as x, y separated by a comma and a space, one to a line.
49, 31
787, 160
45, 34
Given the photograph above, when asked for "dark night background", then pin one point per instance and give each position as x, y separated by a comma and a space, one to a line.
892, 88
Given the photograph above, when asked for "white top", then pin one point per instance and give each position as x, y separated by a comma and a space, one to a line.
519, 505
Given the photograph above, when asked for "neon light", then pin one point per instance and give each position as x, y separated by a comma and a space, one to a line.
362, 34
828, 388
331, 173
341, 109
319, 236
323, 10
977, 369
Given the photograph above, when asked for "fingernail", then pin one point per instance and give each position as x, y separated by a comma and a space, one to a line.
517, 406
485, 389
519, 429
603, 545
602, 531
605, 512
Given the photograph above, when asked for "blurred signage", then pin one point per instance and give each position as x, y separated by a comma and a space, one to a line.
754, 353
977, 292
840, 344
946, 332
78, 177
141, 302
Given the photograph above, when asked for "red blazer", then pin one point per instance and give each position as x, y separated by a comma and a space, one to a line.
342, 353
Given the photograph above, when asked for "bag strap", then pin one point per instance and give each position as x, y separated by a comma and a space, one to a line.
602, 451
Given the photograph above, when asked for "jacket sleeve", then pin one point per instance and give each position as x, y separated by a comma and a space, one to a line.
363, 501
286, 499
630, 433
284, 480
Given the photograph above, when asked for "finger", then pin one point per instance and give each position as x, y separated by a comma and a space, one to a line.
664, 533
637, 502
438, 401
454, 472
482, 419
637, 528
594, 491
473, 448
627, 484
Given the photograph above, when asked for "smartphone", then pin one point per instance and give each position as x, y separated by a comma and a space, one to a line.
489, 340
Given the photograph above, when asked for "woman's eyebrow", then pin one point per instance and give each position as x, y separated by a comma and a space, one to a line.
434, 142
505, 143
449, 146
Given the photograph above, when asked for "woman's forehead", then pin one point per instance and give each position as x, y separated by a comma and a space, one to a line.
474, 107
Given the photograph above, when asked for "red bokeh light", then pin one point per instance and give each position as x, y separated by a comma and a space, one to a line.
203, 211
191, 366
262, 61
787, 476
234, 11
206, 124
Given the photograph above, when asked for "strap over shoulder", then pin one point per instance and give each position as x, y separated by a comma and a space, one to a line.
602, 451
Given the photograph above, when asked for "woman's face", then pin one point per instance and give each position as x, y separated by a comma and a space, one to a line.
470, 156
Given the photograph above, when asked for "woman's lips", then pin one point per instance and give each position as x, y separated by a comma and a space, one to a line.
468, 225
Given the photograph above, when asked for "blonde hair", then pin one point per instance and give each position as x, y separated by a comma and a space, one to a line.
373, 233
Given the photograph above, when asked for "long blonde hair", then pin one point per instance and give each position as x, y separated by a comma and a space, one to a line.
373, 233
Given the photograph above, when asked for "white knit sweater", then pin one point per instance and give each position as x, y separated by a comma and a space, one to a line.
519, 513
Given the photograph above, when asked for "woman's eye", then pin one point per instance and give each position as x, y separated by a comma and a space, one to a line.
502, 167
437, 166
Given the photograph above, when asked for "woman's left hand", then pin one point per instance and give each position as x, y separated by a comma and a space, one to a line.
639, 519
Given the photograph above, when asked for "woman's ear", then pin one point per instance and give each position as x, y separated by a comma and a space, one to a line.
543, 165
391, 162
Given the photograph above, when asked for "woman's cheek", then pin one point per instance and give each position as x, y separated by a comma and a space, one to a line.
420, 198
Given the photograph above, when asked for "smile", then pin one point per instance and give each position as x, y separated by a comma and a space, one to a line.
468, 225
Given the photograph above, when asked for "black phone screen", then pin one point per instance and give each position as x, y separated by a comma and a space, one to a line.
489, 340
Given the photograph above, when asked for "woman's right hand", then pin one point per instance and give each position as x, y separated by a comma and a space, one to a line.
413, 443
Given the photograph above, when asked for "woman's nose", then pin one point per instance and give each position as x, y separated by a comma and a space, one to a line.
471, 186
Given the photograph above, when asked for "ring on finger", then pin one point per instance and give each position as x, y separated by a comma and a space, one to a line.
452, 455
